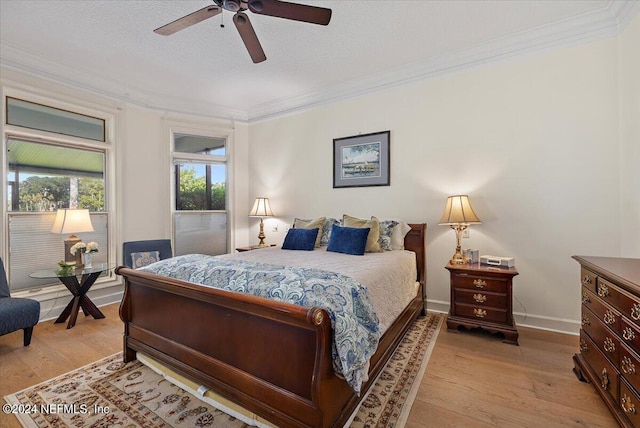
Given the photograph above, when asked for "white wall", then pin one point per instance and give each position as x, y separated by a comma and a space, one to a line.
534, 141
630, 138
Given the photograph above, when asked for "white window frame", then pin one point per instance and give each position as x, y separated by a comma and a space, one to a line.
76, 105
174, 127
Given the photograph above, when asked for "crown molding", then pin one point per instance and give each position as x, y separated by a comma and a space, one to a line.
603, 23
606, 22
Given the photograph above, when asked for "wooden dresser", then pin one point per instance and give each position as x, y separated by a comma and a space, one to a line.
481, 296
609, 355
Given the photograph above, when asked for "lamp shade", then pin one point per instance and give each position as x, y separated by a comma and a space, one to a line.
261, 208
458, 210
70, 221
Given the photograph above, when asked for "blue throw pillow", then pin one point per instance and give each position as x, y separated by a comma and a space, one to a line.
300, 239
348, 240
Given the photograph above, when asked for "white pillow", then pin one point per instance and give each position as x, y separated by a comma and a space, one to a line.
398, 232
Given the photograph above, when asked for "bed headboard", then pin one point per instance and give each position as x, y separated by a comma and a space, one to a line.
415, 241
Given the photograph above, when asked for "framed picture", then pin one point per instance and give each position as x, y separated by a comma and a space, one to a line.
361, 160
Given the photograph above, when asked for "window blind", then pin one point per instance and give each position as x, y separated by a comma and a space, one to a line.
200, 233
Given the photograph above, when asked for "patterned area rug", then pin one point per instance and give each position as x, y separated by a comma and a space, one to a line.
110, 393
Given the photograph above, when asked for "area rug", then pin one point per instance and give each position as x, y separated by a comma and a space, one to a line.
110, 393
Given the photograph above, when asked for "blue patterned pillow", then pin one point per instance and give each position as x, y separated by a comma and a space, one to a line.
386, 227
348, 240
326, 230
300, 239
142, 259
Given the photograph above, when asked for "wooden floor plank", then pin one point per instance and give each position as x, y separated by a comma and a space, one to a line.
472, 380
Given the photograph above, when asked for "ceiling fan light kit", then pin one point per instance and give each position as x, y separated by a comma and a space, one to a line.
279, 9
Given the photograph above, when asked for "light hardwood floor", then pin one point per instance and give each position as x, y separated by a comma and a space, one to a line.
472, 380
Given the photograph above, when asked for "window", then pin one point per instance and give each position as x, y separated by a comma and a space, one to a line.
201, 194
53, 159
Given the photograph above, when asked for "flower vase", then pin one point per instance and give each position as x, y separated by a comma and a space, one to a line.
87, 260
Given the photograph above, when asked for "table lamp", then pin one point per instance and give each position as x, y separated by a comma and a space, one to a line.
71, 221
261, 209
459, 215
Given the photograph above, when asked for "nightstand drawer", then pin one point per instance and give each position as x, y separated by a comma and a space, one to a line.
483, 313
481, 298
588, 279
479, 283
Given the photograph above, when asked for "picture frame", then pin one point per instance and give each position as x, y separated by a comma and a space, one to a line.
362, 160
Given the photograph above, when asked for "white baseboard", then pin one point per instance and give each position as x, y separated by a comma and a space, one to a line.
540, 322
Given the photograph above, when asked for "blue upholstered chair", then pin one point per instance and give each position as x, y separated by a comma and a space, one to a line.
16, 314
136, 254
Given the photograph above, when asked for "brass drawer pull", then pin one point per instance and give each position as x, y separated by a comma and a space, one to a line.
479, 283
609, 346
586, 279
585, 320
583, 345
604, 380
627, 366
585, 298
603, 291
635, 312
479, 298
627, 405
609, 317
480, 313
628, 334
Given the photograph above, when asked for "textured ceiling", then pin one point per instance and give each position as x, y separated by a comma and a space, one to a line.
109, 47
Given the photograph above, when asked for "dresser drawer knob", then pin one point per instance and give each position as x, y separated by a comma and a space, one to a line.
609, 317
480, 298
585, 298
585, 320
480, 313
627, 405
479, 283
627, 366
628, 333
586, 279
603, 291
604, 379
635, 312
583, 345
609, 346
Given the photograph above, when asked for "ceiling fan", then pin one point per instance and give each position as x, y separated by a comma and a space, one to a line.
280, 9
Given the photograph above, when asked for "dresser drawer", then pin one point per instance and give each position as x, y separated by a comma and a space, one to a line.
630, 367
630, 335
483, 313
608, 376
588, 279
604, 338
606, 313
479, 282
481, 298
628, 305
630, 403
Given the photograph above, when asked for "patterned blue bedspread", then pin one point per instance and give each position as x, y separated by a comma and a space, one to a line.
355, 324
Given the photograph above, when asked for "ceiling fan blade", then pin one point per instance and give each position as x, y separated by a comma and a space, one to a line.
188, 20
294, 11
249, 37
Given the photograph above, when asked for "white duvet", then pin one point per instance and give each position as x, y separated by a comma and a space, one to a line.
390, 276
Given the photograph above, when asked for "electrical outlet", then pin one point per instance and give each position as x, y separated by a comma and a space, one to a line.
465, 233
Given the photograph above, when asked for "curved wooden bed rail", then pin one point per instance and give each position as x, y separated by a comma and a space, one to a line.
270, 357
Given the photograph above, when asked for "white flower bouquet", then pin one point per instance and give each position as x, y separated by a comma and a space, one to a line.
78, 246
92, 247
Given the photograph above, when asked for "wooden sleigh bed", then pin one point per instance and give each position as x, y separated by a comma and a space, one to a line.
272, 358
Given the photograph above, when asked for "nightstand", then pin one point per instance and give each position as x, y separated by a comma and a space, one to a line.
253, 247
481, 296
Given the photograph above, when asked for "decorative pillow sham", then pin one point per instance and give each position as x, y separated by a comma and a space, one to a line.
300, 239
348, 240
326, 230
386, 228
142, 259
316, 223
373, 246
397, 235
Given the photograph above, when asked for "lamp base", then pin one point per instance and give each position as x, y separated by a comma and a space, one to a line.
261, 236
458, 258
